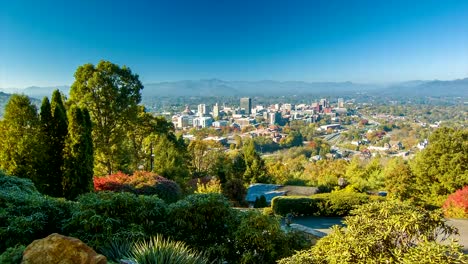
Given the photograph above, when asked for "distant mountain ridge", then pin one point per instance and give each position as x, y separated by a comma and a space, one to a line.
216, 87
437, 88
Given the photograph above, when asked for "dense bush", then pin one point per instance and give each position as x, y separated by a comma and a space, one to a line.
112, 222
235, 191
25, 214
338, 203
12, 255
385, 232
145, 183
104, 216
205, 222
456, 205
260, 239
301, 205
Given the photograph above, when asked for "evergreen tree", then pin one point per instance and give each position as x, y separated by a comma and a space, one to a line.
20, 147
54, 127
255, 171
78, 162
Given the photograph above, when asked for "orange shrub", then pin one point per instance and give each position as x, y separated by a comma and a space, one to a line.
141, 182
456, 205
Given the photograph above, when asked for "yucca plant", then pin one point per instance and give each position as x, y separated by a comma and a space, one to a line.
117, 249
158, 250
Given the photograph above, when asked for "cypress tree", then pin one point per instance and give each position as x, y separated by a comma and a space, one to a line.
78, 163
54, 130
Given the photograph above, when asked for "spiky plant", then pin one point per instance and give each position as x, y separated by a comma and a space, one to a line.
158, 250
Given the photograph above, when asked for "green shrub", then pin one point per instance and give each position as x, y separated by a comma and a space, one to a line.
260, 202
26, 215
157, 250
337, 203
103, 216
12, 255
385, 232
340, 203
300, 205
205, 222
260, 239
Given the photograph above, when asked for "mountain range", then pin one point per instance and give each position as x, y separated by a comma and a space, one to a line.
216, 87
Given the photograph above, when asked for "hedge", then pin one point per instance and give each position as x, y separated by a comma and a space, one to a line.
338, 203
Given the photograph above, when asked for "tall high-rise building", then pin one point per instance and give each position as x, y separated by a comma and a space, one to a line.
246, 104
324, 103
215, 111
340, 102
201, 109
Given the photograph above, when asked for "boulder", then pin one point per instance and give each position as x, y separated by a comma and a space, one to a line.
58, 249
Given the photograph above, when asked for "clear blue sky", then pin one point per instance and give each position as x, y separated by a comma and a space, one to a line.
43, 42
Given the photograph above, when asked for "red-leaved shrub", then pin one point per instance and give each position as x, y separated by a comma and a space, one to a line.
456, 205
141, 182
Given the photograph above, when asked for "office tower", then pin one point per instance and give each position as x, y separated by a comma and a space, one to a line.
201, 109
215, 111
246, 104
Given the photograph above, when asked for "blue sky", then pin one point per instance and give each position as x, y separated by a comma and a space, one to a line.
43, 42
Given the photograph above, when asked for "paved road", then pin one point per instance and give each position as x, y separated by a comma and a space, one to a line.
323, 224
462, 225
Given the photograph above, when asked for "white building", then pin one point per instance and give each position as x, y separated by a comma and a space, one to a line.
203, 121
201, 110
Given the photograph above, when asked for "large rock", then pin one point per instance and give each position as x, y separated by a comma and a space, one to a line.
58, 249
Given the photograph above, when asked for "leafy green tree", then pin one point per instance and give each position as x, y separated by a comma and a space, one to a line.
53, 121
399, 180
255, 166
79, 161
384, 232
145, 125
111, 94
442, 167
21, 145
170, 157
294, 139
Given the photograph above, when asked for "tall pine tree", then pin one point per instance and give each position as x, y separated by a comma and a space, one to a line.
79, 161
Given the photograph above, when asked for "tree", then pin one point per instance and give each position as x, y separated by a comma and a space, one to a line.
145, 125
255, 171
53, 121
21, 145
399, 180
78, 163
111, 94
170, 157
442, 167
385, 232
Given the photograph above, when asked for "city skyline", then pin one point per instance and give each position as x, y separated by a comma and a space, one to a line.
42, 44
